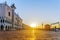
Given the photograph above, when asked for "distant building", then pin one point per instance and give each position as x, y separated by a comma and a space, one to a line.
47, 27
26, 26
9, 20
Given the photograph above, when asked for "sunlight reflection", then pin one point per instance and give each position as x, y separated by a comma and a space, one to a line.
33, 34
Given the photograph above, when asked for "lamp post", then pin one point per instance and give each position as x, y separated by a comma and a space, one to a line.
42, 25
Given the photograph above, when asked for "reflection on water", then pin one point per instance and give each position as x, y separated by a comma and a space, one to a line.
29, 35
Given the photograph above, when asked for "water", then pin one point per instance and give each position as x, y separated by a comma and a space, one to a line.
29, 35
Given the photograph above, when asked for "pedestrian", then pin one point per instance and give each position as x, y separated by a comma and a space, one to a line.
55, 29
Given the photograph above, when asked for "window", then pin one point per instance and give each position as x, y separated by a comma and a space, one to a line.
16, 18
8, 13
1, 20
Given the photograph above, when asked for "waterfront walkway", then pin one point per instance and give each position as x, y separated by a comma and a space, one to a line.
29, 35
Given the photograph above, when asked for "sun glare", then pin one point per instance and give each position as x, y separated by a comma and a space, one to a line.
33, 25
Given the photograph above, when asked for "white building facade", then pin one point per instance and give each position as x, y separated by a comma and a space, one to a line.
9, 20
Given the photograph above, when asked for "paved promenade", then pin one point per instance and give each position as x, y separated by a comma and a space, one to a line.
29, 35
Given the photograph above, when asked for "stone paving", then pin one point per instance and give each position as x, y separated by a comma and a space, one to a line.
29, 35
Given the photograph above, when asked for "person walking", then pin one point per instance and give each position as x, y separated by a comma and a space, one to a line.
55, 29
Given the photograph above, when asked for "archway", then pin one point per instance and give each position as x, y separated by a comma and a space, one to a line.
2, 27
6, 27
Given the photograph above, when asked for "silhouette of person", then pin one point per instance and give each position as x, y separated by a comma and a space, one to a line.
55, 28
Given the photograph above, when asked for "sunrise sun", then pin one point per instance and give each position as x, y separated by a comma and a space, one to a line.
33, 25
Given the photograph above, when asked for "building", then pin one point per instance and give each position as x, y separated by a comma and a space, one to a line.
47, 27
26, 27
17, 21
9, 20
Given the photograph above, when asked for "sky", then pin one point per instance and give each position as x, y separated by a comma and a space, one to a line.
37, 11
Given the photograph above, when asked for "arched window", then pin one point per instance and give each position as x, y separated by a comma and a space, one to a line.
1, 20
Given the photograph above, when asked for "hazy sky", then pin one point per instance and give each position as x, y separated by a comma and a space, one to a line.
46, 11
